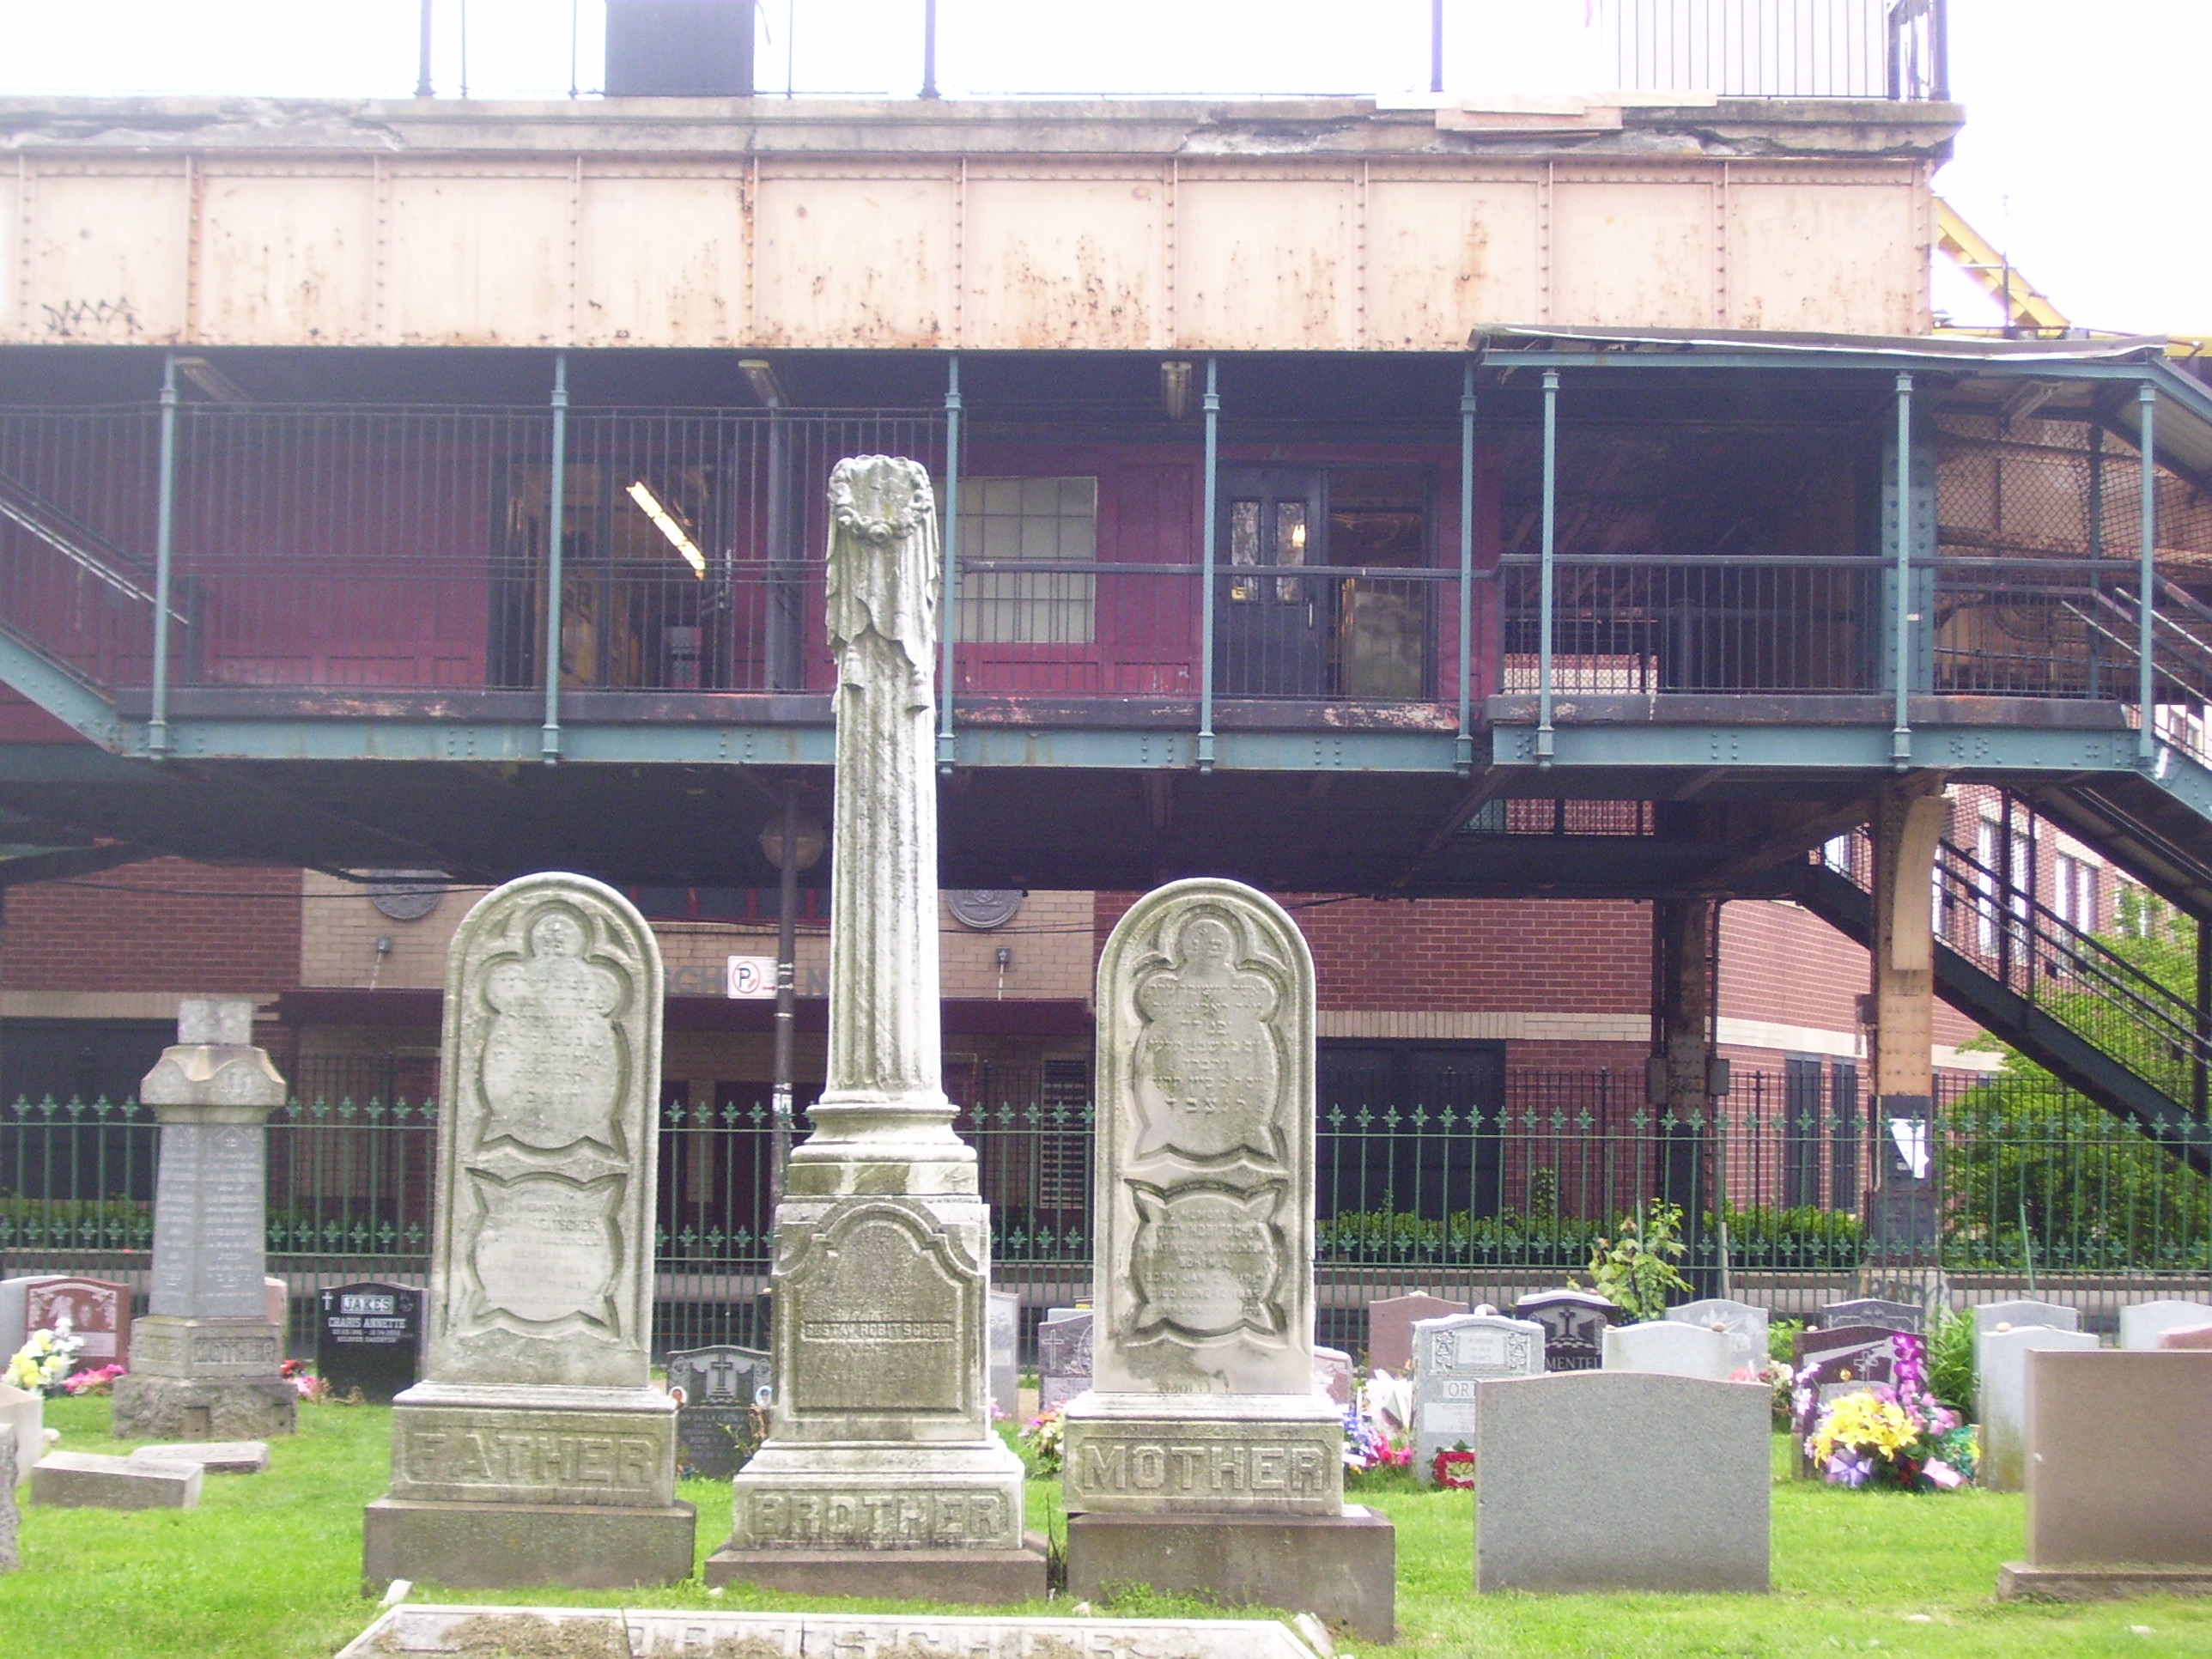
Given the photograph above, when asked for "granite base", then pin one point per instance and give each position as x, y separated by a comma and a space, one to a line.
151, 1407
2018, 1581
504, 1546
975, 1577
1340, 1568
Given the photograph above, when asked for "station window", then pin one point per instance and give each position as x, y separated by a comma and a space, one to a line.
1051, 522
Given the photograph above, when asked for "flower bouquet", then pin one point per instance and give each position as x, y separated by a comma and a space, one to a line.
1375, 1440
1894, 1434
1454, 1468
1040, 1438
309, 1386
40, 1365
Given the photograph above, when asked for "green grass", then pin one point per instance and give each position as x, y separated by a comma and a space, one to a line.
268, 1566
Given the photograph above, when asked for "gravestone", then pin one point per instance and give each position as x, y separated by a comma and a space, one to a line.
1201, 1461
1992, 1316
1334, 1375
1006, 1316
2185, 1339
1390, 1328
10, 1525
2001, 1387
14, 1327
1829, 1365
535, 1450
1063, 1359
1566, 1463
205, 1362
2119, 1476
213, 1456
882, 1450
2142, 1323
1670, 1348
368, 1336
721, 1388
1453, 1357
98, 1310
25, 1412
1873, 1310
1574, 1324
87, 1480
1744, 1325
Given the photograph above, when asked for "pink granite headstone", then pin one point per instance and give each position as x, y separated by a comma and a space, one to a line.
1390, 1328
2188, 1336
98, 1311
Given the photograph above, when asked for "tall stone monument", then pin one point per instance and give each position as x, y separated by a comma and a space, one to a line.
536, 1450
881, 1474
1202, 1459
205, 1362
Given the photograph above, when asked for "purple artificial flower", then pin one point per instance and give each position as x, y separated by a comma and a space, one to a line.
1850, 1468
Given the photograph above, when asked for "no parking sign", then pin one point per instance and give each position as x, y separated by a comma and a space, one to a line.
753, 979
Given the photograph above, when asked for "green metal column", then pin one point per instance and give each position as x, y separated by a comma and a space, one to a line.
1212, 408
165, 526
2147, 578
945, 618
556, 507
1545, 576
1463, 751
1901, 731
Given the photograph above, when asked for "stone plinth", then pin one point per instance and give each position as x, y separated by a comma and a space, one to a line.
1202, 1459
2119, 1473
216, 1456
86, 1480
204, 1362
881, 1444
1340, 1568
535, 1450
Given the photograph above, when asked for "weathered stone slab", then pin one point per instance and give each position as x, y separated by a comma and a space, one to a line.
1561, 1461
535, 1450
1744, 1325
721, 1388
1873, 1310
2119, 1459
86, 1480
1063, 1360
2001, 1380
203, 1407
1334, 1375
2142, 1323
1453, 1357
651, 1633
216, 1456
25, 1413
1342, 1568
10, 1522
1670, 1348
1390, 1324
1574, 1324
1004, 1315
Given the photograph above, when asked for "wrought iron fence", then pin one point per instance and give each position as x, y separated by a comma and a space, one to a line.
2026, 1183
1891, 48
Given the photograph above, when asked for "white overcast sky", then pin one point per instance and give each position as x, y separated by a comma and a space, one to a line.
2083, 122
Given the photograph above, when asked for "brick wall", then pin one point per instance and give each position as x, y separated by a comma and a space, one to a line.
164, 925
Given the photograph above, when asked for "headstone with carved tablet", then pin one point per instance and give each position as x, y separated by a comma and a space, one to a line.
98, 1310
369, 1337
536, 1450
722, 1392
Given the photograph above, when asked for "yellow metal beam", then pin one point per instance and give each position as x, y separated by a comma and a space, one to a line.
2025, 306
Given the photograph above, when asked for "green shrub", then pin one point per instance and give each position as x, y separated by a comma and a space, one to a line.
1951, 1360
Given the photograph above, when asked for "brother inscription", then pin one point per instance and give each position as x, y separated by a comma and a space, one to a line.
369, 1337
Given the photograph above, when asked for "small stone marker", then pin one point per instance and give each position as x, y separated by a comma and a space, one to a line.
216, 1456
2119, 1476
2001, 1378
1574, 1324
9, 1522
1005, 1311
1334, 1375
26, 1413
1063, 1359
2188, 1338
368, 1336
204, 1362
1390, 1328
1873, 1310
536, 1450
2142, 1323
721, 1386
1992, 1316
1746, 1327
1452, 1358
1670, 1348
87, 1480
98, 1310
1562, 1461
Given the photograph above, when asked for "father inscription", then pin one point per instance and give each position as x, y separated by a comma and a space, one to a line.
536, 1448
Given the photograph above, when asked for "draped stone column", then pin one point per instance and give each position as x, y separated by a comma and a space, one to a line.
881, 1474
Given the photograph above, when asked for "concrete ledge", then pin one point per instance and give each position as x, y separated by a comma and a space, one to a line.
979, 1577
1340, 1568
503, 1545
87, 1480
204, 1408
2019, 1582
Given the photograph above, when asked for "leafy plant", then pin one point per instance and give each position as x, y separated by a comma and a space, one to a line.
1636, 1272
1780, 1339
1951, 1360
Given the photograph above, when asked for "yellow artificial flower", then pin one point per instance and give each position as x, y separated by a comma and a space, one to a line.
1864, 1422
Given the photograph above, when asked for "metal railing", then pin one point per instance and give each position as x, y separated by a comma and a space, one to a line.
1483, 1199
1888, 49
